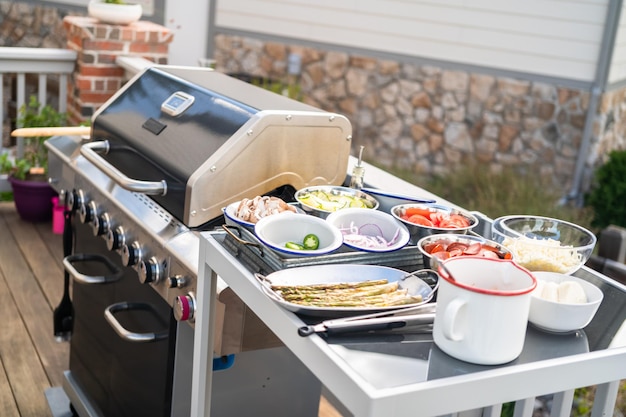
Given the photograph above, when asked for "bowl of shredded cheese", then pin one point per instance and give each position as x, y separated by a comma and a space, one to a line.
543, 243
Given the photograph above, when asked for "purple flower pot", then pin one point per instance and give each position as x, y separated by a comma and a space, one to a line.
33, 199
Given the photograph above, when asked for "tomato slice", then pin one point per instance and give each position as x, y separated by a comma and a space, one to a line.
437, 248
437, 217
462, 221
409, 211
420, 220
448, 224
443, 255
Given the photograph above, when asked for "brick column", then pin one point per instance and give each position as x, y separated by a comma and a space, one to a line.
96, 76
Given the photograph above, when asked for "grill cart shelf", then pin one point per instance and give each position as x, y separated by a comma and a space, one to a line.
401, 373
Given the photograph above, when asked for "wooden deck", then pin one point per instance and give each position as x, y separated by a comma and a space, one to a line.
31, 277
31, 285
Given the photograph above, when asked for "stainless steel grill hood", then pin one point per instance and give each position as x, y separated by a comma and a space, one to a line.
196, 140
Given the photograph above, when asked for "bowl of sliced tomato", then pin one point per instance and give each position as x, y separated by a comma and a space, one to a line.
449, 245
428, 219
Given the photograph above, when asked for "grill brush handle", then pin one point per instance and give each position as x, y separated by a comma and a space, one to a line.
109, 315
91, 152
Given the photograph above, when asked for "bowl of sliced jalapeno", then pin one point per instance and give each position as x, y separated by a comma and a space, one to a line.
322, 200
295, 235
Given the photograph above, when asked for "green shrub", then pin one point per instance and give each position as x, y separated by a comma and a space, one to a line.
607, 196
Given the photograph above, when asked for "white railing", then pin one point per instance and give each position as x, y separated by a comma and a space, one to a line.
40, 61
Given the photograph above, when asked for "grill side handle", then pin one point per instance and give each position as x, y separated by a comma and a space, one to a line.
91, 152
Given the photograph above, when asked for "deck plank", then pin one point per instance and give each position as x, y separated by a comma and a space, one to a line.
8, 408
26, 263
23, 369
45, 268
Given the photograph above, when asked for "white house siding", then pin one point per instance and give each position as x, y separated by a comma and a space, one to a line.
617, 70
555, 38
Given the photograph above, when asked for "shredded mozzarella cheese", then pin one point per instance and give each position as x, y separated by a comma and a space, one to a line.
543, 255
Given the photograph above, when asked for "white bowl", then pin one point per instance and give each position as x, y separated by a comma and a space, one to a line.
558, 316
372, 223
276, 231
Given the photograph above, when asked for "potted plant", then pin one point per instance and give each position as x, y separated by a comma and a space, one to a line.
28, 175
115, 12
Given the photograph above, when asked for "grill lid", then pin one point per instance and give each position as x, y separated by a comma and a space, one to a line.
196, 140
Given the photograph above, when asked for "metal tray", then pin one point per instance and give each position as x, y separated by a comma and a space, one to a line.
243, 244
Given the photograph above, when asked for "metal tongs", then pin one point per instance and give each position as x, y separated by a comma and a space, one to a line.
422, 315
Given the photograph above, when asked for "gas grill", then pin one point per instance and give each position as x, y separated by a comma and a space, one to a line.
172, 148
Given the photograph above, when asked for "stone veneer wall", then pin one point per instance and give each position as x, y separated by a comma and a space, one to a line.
428, 120
32, 26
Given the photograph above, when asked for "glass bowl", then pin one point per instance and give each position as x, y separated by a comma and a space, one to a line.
543, 243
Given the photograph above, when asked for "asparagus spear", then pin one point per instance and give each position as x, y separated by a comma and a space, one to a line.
343, 292
328, 286
360, 294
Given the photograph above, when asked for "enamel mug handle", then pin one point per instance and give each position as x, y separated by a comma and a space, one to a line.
450, 317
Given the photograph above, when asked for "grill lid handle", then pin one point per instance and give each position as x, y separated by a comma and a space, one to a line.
91, 152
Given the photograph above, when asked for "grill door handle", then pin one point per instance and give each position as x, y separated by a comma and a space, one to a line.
109, 315
91, 150
115, 272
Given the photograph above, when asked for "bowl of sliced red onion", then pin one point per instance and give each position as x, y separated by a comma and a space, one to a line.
369, 230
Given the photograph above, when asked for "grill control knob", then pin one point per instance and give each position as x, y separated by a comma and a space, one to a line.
100, 224
116, 238
150, 271
86, 212
185, 307
75, 199
131, 254
177, 281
